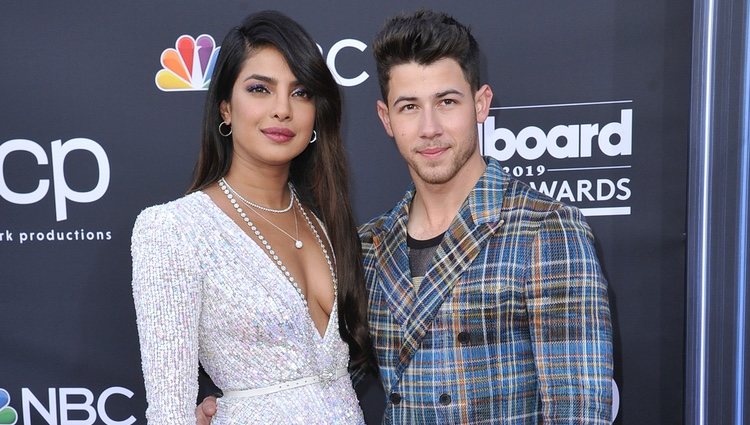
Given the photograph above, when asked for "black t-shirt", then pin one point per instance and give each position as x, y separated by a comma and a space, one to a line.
420, 256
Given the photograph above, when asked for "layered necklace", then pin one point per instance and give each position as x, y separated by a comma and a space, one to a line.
297, 242
233, 195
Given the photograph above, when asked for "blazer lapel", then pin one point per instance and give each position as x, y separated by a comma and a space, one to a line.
477, 220
393, 261
460, 246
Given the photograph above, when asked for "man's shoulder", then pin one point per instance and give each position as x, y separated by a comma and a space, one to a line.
524, 204
516, 195
520, 195
368, 229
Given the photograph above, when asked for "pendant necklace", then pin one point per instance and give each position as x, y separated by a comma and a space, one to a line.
230, 195
229, 191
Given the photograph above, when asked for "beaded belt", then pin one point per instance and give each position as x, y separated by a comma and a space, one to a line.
325, 378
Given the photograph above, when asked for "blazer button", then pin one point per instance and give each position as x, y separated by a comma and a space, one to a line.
395, 398
464, 337
445, 399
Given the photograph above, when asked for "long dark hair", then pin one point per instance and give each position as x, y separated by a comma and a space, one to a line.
320, 173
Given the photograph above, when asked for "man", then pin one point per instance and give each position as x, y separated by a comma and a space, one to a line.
486, 300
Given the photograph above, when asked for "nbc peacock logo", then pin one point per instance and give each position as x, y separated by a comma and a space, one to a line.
8, 415
188, 67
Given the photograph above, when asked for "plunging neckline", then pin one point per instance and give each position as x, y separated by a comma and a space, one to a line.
280, 272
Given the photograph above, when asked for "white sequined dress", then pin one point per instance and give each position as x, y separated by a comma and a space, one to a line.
205, 291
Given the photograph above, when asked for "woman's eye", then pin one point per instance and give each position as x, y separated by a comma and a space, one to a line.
258, 88
302, 93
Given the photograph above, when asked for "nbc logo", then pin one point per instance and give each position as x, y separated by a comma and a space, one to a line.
8, 415
188, 67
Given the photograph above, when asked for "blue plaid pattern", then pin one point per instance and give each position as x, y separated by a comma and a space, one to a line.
511, 323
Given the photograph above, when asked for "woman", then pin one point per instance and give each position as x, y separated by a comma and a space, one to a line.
256, 272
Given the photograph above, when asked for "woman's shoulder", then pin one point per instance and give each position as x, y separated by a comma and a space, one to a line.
181, 208
173, 214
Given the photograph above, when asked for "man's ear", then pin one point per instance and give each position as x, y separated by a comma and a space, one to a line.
482, 101
382, 109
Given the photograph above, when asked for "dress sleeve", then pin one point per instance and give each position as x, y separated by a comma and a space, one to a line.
569, 322
166, 291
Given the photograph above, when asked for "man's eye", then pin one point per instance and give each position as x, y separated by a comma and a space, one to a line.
409, 107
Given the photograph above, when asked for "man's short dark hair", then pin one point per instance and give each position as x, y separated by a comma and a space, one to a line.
425, 37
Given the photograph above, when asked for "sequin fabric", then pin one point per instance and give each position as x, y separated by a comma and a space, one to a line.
204, 290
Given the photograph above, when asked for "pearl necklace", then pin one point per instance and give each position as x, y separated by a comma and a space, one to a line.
226, 189
297, 242
330, 263
261, 207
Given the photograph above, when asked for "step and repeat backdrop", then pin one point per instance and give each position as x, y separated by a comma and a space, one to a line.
100, 109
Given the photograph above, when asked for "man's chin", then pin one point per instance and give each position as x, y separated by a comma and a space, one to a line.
435, 175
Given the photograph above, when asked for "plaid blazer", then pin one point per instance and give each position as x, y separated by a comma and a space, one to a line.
511, 323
